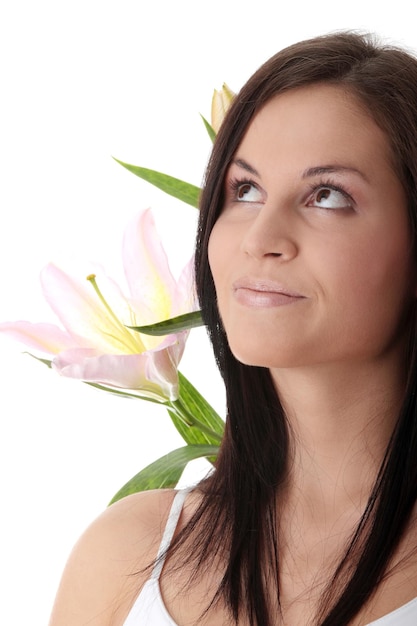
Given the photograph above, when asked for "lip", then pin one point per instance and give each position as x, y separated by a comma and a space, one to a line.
264, 293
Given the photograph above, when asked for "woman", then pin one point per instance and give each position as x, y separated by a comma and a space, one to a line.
306, 274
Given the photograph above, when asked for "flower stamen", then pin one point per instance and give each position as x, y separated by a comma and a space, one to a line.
133, 342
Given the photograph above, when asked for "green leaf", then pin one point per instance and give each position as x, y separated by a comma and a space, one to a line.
191, 434
166, 471
173, 325
186, 192
209, 129
46, 362
191, 401
197, 405
126, 394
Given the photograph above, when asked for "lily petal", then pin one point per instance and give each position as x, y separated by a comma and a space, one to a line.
147, 270
123, 371
186, 297
44, 337
162, 366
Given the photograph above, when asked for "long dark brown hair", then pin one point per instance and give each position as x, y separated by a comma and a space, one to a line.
237, 517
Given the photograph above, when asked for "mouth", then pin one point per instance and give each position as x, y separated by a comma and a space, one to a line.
264, 293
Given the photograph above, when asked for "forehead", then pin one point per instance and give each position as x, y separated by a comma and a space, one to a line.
318, 122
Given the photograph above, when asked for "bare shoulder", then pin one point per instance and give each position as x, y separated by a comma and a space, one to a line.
104, 572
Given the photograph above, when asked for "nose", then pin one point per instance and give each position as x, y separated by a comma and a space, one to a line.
270, 233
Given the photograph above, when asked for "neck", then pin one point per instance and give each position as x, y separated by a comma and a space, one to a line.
341, 420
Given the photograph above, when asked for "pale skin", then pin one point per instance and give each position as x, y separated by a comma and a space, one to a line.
313, 268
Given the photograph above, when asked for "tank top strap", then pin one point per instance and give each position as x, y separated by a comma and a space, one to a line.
171, 525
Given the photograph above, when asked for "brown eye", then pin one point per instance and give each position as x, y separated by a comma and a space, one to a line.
329, 198
323, 194
247, 192
243, 190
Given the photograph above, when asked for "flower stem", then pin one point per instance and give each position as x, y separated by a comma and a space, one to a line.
184, 414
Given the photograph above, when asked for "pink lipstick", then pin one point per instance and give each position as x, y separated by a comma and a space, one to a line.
264, 293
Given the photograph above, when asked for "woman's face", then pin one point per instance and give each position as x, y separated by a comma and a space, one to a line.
311, 255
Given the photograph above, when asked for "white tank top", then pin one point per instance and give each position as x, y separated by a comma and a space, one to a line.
149, 608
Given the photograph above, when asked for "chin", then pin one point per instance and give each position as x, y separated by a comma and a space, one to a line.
261, 358
266, 346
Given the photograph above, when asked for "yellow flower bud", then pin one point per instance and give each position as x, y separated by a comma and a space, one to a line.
222, 99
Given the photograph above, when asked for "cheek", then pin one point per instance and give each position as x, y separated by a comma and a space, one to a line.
223, 255
219, 252
375, 286
384, 268
368, 262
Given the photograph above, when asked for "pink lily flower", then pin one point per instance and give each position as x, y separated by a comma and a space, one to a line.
94, 343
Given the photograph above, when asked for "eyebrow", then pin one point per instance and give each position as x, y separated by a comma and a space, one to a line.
331, 169
245, 166
309, 172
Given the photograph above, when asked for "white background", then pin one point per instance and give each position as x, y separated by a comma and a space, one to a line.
81, 81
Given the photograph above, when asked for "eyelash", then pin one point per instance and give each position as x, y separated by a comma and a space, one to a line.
329, 184
235, 184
